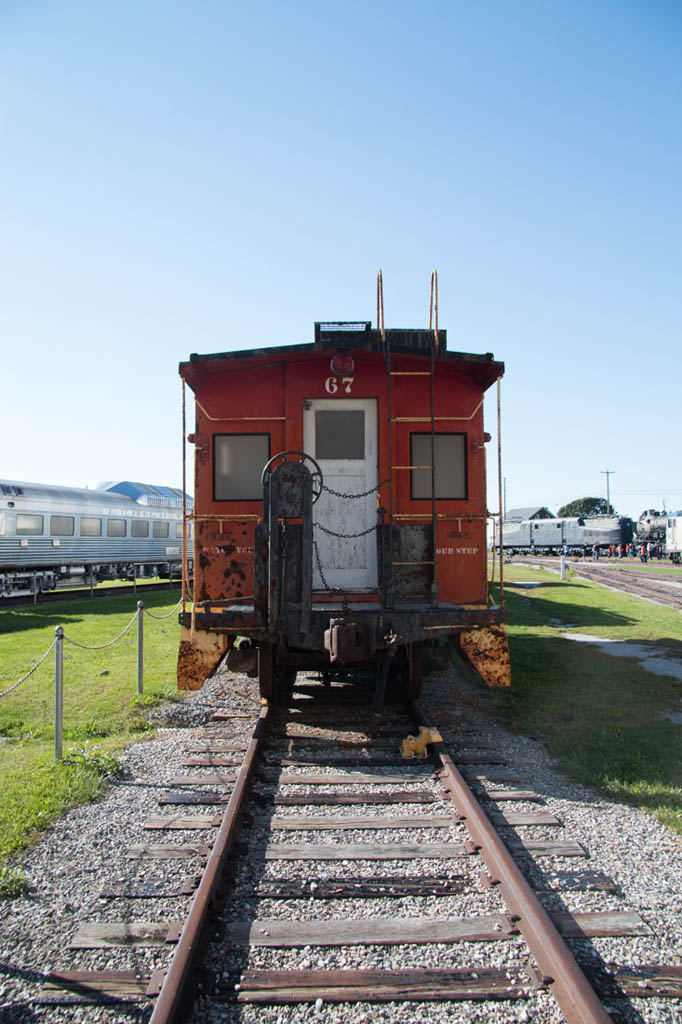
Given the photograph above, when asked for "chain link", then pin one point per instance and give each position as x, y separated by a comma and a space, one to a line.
325, 584
100, 647
159, 618
29, 673
344, 536
362, 494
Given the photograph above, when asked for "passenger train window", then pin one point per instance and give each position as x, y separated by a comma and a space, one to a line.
238, 461
90, 526
450, 462
160, 529
116, 527
139, 528
178, 530
29, 525
62, 526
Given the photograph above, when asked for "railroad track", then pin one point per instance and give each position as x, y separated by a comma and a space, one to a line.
663, 588
325, 868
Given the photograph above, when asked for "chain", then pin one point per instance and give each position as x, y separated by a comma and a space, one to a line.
345, 536
325, 584
30, 671
166, 616
100, 647
362, 494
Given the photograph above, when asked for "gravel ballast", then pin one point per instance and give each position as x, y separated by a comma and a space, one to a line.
82, 855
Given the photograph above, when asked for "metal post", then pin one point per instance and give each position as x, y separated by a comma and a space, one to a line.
92, 582
140, 645
563, 567
134, 579
58, 691
35, 590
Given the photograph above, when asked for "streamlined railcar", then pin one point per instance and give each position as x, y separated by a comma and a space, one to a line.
53, 536
574, 533
340, 508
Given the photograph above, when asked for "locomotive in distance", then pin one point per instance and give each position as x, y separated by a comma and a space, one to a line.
52, 536
539, 531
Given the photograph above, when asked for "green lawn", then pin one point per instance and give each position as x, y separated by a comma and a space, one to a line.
602, 717
102, 711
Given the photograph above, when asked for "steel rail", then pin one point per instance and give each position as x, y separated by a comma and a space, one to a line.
171, 1004
560, 971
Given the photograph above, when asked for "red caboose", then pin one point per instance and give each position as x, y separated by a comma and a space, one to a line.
340, 507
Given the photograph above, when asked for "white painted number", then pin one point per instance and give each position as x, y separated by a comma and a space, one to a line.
331, 385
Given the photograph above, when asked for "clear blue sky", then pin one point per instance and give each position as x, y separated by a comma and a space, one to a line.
180, 177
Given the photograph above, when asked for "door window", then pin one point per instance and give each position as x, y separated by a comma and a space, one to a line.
339, 434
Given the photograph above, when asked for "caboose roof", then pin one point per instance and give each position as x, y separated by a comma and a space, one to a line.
347, 336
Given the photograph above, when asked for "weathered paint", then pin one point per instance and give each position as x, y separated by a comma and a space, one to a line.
265, 392
200, 654
224, 569
487, 650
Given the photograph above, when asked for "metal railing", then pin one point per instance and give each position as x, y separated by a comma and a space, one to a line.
58, 645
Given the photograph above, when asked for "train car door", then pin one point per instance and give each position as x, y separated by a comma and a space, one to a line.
341, 434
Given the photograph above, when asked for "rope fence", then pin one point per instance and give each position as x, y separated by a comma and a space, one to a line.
58, 646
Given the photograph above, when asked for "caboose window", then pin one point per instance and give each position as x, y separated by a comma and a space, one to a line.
90, 526
139, 528
450, 463
238, 461
28, 525
159, 529
62, 526
116, 527
339, 433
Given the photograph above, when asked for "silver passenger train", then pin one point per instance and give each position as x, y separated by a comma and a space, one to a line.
576, 534
58, 536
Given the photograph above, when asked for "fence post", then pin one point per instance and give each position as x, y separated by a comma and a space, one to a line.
140, 645
58, 691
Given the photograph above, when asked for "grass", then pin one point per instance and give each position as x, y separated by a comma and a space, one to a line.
102, 710
601, 717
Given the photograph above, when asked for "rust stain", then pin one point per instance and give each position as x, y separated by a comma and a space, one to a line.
487, 650
198, 657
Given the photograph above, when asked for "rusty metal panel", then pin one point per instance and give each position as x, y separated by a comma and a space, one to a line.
224, 560
486, 648
412, 569
200, 654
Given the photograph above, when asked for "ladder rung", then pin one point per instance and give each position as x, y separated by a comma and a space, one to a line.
412, 563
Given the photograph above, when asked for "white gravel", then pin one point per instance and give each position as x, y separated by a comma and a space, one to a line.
82, 855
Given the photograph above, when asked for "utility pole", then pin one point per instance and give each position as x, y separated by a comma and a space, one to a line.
607, 473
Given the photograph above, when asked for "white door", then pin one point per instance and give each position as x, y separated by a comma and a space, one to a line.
341, 435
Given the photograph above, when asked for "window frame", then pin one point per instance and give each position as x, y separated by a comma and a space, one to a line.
136, 524
160, 536
234, 433
59, 533
440, 433
117, 536
29, 533
93, 519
